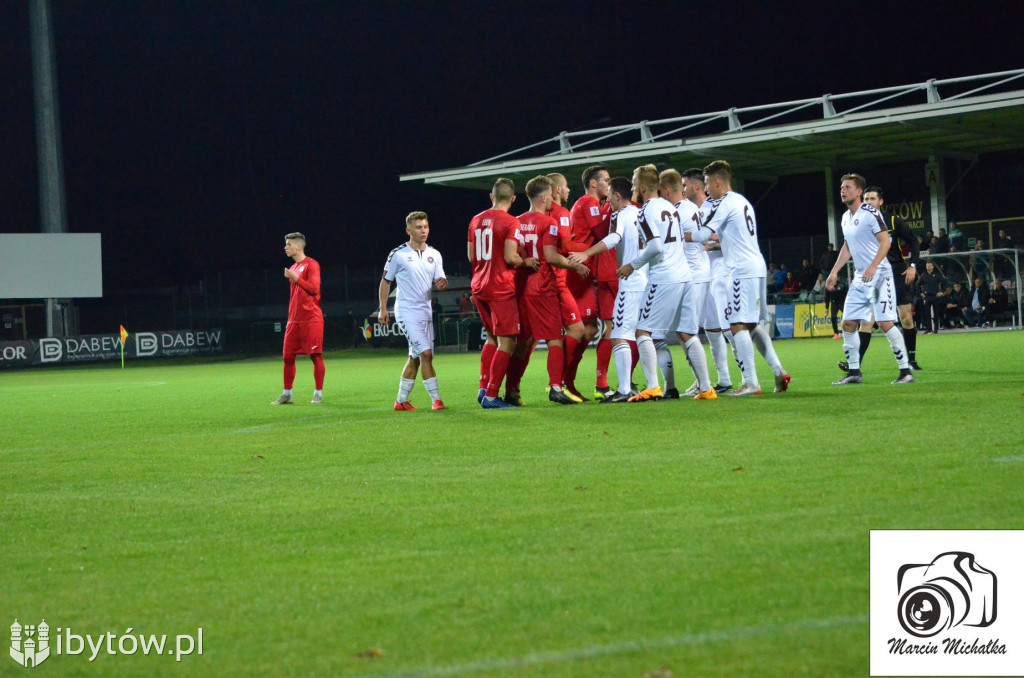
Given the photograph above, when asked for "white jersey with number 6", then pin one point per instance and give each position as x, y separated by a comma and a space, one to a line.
732, 218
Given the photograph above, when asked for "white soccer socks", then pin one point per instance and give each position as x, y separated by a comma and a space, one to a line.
698, 362
851, 347
720, 356
404, 389
665, 363
763, 342
432, 389
743, 347
899, 346
623, 366
648, 359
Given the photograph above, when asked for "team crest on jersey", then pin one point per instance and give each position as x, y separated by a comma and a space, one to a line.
595, 211
430, 260
856, 222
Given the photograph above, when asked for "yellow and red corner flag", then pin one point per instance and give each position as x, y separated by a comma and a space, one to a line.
124, 335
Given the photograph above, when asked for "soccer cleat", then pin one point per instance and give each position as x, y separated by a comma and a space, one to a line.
647, 395
914, 366
849, 379
560, 397
672, 394
616, 398
706, 395
573, 392
283, 400
723, 388
907, 378
746, 390
404, 407
835, 336
843, 365
514, 399
693, 390
569, 394
495, 403
438, 405
480, 395
317, 399
782, 382
602, 393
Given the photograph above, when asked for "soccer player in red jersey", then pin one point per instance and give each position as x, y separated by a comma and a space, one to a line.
492, 248
571, 319
539, 308
305, 332
590, 212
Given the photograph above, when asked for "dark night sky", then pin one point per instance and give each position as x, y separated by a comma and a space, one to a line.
195, 134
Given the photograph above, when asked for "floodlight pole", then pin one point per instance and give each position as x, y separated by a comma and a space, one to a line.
51, 169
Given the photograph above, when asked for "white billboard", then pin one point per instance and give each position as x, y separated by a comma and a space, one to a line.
50, 265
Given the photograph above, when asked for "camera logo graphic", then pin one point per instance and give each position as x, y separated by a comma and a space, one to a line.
951, 590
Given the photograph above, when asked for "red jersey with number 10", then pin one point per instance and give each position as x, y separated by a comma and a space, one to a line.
304, 302
492, 277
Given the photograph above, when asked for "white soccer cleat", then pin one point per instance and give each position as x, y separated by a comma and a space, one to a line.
907, 378
692, 391
746, 390
283, 400
317, 399
849, 379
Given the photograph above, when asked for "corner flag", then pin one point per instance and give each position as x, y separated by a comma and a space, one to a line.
124, 335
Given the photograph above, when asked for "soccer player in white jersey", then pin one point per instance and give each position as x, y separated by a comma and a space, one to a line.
417, 268
624, 237
712, 319
670, 187
667, 303
732, 219
872, 288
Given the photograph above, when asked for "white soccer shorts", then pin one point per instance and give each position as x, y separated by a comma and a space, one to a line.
877, 296
745, 301
626, 314
660, 310
714, 305
419, 331
692, 308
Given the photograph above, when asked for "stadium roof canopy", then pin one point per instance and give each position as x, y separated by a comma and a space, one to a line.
957, 118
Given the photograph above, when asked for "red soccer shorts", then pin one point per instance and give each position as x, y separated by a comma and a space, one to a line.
606, 293
567, 304
501, 318
303, 339
542, 317
583, 292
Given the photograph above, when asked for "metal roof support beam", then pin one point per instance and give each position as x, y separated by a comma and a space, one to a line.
933, 92
830, 209
936, 180
563, 143
828, 108
645, 132
734, 120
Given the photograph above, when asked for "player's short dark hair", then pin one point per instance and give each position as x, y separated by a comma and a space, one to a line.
874, 189
296, 236
670, 179
858, 181
694, 174
590, 173
536, 186
414, 216
503, 190
720, 169
622, 186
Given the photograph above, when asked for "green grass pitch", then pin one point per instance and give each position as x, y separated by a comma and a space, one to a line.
725, 538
